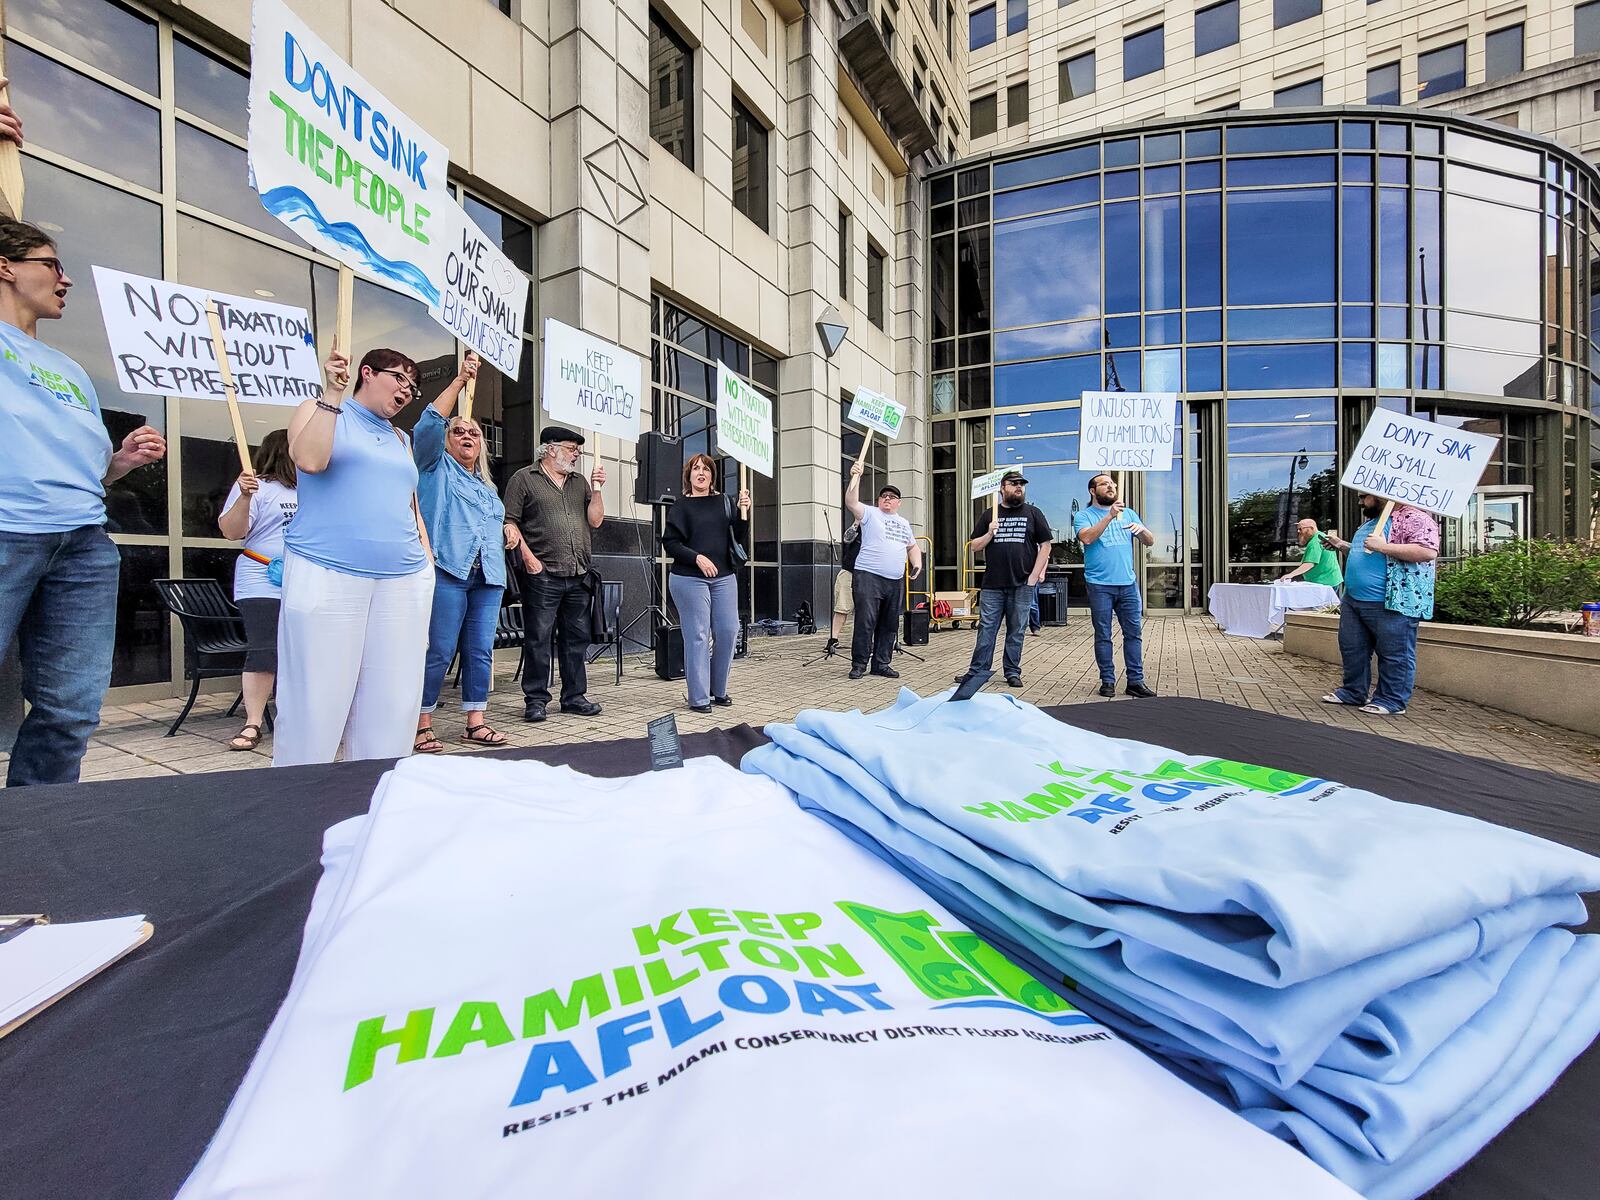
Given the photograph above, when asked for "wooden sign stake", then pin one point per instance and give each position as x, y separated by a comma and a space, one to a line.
10, 152
221, 351
344, 313
1383, 519
865, 442
466, 399
744, 486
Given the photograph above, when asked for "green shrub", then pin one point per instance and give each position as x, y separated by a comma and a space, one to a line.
1516, 584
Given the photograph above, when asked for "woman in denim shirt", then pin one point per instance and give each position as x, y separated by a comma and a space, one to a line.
465, 522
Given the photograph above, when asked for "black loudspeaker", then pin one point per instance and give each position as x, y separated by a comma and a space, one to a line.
916, 627
669, 652
659, 473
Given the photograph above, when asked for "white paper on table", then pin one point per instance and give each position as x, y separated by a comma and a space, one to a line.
45, 961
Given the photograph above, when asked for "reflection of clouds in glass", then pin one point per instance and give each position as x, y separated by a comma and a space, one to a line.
86, 120
107, 36
1046, 340
1493, 257
1047, 268
1027, 384
1280, 246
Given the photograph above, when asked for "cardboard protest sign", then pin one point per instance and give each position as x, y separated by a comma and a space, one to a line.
875, 411
482, 295
1421, 463
161, 342
590, 383
338, 163
985, 485
744, 422
1127, 431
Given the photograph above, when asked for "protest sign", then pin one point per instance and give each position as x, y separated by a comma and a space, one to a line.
744, 422
1407, 461
590, 383
1127, 431
338, 163
482, 295
984, 485
875, 411
161, 342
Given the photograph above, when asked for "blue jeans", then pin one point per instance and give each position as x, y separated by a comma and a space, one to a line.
1013, 604
58, 599
1124, 600
464, 615
708, 610
1367, 627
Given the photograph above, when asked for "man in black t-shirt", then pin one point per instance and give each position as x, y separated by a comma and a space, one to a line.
1015, 540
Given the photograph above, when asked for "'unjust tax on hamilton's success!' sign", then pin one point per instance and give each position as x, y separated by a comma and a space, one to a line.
340, 164
1421, 463
590, 383
1127, 431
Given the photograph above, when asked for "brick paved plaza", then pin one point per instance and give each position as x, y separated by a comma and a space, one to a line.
1184, 657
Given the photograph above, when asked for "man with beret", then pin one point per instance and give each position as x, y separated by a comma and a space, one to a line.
1015, 538
550, 510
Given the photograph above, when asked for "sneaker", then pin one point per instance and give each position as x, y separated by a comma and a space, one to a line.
1108, 690
722, 701
1140, 690
581, 707
533, 713
1013, 680
857, 672
886, 672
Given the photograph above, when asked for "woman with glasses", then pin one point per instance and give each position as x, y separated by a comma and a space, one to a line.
704, 537
357, 572
466, 524
58, 569
256, 512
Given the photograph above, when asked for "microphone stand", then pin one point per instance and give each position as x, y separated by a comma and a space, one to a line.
828, 650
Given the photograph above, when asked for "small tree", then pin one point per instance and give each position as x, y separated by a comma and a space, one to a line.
1516, 584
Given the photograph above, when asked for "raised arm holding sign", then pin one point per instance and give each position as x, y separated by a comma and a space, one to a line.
876, 413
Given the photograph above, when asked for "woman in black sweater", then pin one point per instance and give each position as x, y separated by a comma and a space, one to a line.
702, 530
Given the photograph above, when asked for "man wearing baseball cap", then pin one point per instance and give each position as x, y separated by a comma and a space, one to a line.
878, 581
1015, 540
550, 511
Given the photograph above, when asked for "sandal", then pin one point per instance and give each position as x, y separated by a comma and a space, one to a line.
1333, 698
426, 743
491, 736
244, 740
1379, 710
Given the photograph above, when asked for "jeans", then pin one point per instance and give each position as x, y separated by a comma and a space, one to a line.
548, 602
878, 601
1013, 603
708, 611
465, 613
1124, 600
58, 600
1365, 627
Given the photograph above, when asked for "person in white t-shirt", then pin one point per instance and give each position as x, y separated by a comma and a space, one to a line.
258, 509
877, 583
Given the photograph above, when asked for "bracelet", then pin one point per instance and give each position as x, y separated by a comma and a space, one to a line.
326, 407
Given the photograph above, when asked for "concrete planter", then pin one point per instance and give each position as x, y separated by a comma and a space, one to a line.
1551, 677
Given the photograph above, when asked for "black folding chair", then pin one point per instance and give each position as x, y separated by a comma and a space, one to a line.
214, 641
609, 635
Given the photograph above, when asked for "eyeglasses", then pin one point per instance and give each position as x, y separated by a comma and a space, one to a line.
53, 263
399, 375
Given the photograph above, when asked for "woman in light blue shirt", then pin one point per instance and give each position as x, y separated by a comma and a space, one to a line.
466, 523
58, 569
357, 572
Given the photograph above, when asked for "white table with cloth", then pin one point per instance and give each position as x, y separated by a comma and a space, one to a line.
1256, 609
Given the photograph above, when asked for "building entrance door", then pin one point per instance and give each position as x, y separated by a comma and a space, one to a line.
1495, 516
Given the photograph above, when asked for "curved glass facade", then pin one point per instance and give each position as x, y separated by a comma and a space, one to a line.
1286, 274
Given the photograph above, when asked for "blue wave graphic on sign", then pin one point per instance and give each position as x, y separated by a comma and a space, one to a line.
1072, 1018
290, 204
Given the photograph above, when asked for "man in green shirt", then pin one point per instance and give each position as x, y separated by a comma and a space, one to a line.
1319, 562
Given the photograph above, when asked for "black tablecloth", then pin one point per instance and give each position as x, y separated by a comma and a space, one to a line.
115, 1090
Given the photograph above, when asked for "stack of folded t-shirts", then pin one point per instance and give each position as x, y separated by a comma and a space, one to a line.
1385, 985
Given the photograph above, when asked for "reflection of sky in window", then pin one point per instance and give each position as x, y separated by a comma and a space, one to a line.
1162, 254
1122, 258
1280, 246
1254, 410
1039, 383
1047, 268
86, 120
1058, 492
1258, 368
1204, 250
1494, 257
1046, 340
108, 36
1279, 439
1016, 451
1051, 420
1163, 371
1393, 237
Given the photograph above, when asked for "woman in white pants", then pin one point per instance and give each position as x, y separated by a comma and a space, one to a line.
357, 573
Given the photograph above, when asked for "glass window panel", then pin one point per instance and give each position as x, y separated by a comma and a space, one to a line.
972, 280
210, 462
750, 168
1492, 258
1121, 184
106, 36
1163, 371
1358, 135
1261, 368
513, 235
1394, 322
1205, 326
1489, 333
944, 188
983, 115
1394, 137
1290, 12
1269, 228
1393, 169
1017, 103
1487, 153
1201, 175
86, 120
1426, 139
1357, 243
1391, 365
1356, 365
1029, 254
1358, 168
1015, 452
1075, 77
1469, 181
1259, 172
1162, 147
944, 395
1122, 258
1394, 229
975, 350
143, 644
1046, 166
1122, 331
1016, 16
1163, 329
1204, 369
1483, 371
1065, 194
1203, 253
1163, 250
1124, 153
1143, 53
1425, 228
1123, 372
974, 390
973, 212
1216, 27
211, 175
1427, 173
1442, 70
1260, 139
1028, 384
1302, 95
1280, 439
944, 218
1251, 410
1425, 367
209, 88
1160, 179
981, 27
1046, 341
1383, 84
943, 286
1586, 28
1502, 53
1200, 142
1357, 321
1050, 420
1278, 324
1267, 497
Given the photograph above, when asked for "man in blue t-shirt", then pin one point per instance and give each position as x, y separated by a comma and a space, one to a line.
1107, 529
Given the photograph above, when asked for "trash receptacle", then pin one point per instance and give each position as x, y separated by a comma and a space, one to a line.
1052, 604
